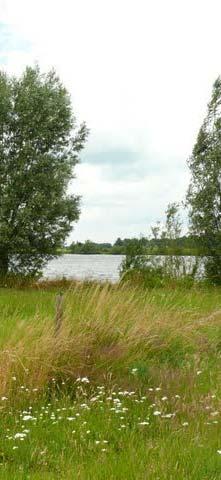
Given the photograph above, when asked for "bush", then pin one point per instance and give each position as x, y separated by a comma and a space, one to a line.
150, 271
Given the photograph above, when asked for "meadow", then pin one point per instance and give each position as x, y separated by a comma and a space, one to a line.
129, 388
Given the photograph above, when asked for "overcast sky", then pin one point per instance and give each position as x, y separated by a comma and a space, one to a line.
140, 73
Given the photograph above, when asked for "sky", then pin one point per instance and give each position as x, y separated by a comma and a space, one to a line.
140, 73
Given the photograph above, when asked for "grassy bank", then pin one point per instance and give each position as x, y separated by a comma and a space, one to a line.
129, 388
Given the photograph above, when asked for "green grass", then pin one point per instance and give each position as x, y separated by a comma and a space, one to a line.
152, 406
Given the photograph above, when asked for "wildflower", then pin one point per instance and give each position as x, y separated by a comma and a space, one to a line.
15, 447
219, 452
164, 399
85, 406
199, 372
28, 417
168, 415
134, 371
185, 424
156, 413
143, 423
20, 435
70, 419
82, 380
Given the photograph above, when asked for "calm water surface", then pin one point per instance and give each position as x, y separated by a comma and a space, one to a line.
81, 267
99, 267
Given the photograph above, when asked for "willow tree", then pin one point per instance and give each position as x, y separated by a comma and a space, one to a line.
204, 193
39, 148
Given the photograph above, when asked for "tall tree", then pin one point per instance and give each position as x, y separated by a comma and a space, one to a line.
173, 225
204, 193
39, 147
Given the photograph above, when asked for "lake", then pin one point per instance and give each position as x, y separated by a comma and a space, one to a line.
81, 267
97, 267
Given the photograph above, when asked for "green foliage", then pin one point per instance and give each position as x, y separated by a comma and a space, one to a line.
39, 147
213, 269
135, 256
158, 245
138, 268
151, 271
204, 193
88, 247
173, 222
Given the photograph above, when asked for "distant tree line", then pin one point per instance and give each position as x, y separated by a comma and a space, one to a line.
184, 245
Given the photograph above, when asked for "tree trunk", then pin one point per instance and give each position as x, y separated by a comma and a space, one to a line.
4, 261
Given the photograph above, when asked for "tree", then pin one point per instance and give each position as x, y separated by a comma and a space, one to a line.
204, 193
156, 230
119, 242
39, 147
89, 248
173, 225
135, 258
171, 230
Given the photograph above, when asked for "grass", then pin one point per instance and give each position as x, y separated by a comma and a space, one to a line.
129, 388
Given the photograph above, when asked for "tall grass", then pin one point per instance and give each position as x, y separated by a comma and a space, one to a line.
129, 388
106, 331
